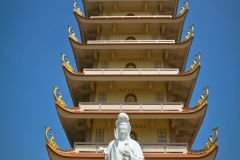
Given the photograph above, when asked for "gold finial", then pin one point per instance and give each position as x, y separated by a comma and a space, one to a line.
58, 98
209, 146
195, 63
77, 9
72, 34
203, 99
192, 27
51, 140
186, 3
189, 33
184, 8
67, 63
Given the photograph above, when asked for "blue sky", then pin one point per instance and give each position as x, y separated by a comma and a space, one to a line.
32, 35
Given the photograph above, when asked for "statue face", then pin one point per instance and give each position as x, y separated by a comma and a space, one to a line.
123, 131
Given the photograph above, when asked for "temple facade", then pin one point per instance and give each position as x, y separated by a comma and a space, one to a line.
131, 59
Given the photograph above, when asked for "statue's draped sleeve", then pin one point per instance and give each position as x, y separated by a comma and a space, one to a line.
111, 151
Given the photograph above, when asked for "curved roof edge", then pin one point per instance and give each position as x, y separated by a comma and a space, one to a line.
195, 112
176, 19
192, 154
178, 45
188, 75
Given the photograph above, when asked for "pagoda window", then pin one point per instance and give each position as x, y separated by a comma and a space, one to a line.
154, 37
102, 97
130, 98
159, 96
130, 65
106, 37
157, 64
99, 135
108, 14
104, 64
130, 38
153, 13
162, 135
130, 14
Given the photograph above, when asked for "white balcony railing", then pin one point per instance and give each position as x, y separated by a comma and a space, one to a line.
128, 41
132, 106
134, 71
94, 147
153, 16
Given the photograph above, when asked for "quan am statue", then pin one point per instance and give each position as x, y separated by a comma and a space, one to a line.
123, 147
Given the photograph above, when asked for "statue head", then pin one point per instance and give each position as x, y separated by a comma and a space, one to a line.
123, 127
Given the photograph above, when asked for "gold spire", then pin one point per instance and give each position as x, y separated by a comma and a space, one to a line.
50, 141
58, 98
203, 99
72, 34
184, 8
186, 3
189, 33
209, 146
195, 63
67, 63
77, 9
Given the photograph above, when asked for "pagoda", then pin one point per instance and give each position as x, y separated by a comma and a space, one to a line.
132, 60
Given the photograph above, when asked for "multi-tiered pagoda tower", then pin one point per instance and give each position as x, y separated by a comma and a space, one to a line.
132, 59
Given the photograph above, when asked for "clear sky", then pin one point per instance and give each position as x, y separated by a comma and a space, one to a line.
32, 35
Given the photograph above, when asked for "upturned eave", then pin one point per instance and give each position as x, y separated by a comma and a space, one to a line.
186, 79
86, 23
180, 49
88, 4
69, 155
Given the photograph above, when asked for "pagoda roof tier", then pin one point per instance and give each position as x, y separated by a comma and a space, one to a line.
69, 155
165, 151
170, 28
96, 7
181, 85
174, 53
192, 119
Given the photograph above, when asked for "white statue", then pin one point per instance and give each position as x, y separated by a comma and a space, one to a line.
123, 147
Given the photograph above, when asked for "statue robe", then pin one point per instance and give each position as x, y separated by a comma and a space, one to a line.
112, 152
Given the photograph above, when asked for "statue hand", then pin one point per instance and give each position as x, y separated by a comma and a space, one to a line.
126, 154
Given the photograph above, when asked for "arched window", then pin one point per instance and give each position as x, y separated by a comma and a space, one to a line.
130, 65
130, 38
133, 135
130, 98
130, 14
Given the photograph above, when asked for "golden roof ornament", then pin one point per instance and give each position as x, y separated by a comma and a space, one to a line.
209, 146
50, 141
58, 98
203, 99
195, 62
189, 33
184, 8
72, 34
77, 9
67, 63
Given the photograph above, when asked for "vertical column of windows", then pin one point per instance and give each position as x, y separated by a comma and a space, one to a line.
106, 37
104, 64
154, 37
159, 96
157, 64
102, 97
99, 135
162, 135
